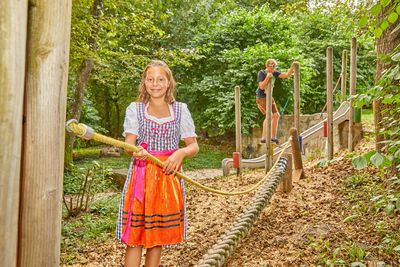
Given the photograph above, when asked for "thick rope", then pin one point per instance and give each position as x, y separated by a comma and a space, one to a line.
337, 83
87, 133
217, 255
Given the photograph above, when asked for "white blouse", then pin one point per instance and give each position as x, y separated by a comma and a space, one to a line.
131, 123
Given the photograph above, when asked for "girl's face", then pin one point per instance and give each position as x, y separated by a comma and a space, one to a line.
156, 82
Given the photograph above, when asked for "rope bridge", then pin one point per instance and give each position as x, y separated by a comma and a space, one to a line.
227, 243
87, 133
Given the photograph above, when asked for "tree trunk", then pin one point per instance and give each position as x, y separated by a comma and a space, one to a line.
82, 78
384, 45
81, 81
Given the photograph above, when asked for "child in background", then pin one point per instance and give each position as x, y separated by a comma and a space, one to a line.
263, 78
152, 206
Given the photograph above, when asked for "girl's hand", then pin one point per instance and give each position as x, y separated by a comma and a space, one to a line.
141, 154
174, 162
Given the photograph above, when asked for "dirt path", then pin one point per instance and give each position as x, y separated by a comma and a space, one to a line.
287, 233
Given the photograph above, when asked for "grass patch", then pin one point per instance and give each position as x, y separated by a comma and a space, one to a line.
367, 116
371, 200
209, 157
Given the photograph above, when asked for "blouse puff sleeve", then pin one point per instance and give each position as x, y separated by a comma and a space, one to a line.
131, 123
187, 128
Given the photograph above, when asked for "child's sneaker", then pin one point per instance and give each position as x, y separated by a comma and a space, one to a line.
275, 141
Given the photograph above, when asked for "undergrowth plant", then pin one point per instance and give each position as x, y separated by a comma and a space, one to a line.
80, 187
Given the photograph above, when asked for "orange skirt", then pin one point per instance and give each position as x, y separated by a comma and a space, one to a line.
159, 219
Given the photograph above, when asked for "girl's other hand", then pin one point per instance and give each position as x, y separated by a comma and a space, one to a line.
174, 162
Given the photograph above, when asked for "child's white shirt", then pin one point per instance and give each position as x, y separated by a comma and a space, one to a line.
131, 123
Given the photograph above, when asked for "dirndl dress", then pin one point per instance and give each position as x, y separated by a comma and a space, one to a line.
152, 207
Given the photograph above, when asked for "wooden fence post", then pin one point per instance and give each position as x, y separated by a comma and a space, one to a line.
329, 99
296, 97
353, 80
268, 99
298, 172
238, 127
49, 24
13, 19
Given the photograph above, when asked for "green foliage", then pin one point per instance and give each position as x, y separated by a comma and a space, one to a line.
376, 158
211, 46
355, 253
90, 229
371, 201
376, 25
81, 185
234, 48
387, 91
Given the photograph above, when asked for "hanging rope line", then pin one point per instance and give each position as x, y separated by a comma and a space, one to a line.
85, 132
217, 255
334, 89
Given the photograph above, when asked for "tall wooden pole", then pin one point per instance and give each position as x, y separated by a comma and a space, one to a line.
268, 99
353, 79
238, 126
296, 107
13, 19
344, 75
329, 98
49, 24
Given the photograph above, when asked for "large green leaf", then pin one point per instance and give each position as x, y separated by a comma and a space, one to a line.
377, 159
376, 9
392, 17
359, 162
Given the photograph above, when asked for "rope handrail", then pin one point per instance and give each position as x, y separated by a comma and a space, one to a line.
85, 132
334, 89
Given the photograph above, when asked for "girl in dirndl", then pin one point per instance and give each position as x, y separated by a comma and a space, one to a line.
152, 206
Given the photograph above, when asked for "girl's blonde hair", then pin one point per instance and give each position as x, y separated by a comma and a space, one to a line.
271, 60
169, 96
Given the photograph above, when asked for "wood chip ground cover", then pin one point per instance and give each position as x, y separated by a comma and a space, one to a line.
302, 228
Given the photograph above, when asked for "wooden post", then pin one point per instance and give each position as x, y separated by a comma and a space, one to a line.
49, 24
286, 184
296, 97
329, 99
344, 75
238, 127
268, 99
297, 160
353, 80
13, 19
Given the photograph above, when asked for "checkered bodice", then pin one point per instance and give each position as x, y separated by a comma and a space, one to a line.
159, 137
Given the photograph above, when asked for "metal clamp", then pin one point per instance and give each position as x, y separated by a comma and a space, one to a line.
88, 131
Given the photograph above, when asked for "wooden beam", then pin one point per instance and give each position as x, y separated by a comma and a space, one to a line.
296, 97
297, 160
353, 81
13, 19
49, 24
267, 137
329, 99
238, 126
